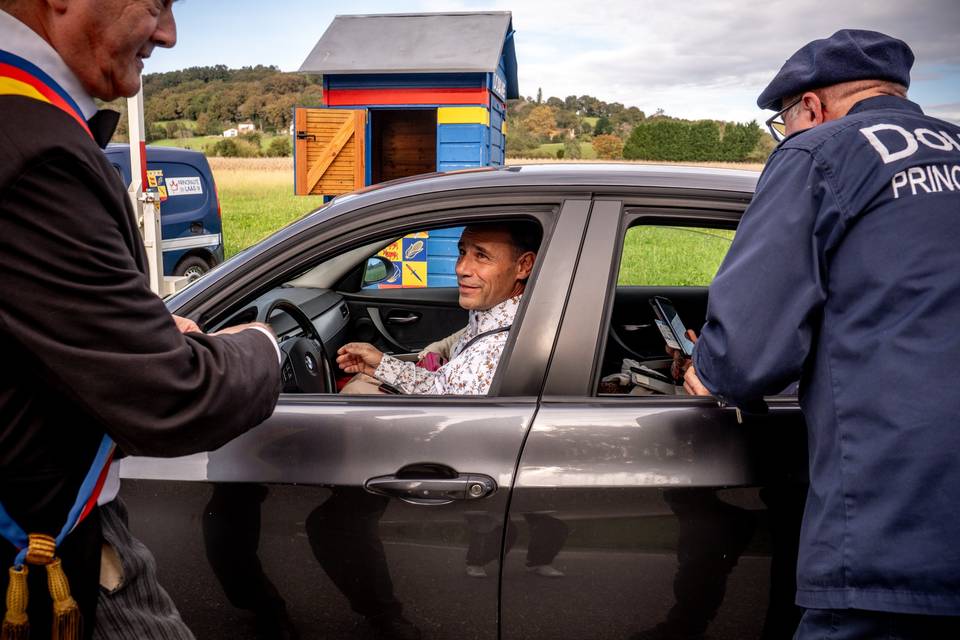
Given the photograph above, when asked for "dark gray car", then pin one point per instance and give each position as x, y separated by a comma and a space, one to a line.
571, 502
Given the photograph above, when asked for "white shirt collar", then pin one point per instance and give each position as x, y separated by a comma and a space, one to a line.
20, 40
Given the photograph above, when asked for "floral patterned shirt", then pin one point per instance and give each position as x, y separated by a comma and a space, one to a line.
470, 370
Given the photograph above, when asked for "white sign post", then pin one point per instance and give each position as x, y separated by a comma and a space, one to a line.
146, 203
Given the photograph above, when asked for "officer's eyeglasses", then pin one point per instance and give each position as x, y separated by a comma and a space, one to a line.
776, 124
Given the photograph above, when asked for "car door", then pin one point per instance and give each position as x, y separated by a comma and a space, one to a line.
281, 528
661, 516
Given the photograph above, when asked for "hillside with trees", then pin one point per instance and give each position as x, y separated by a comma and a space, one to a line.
584, 126
194, 107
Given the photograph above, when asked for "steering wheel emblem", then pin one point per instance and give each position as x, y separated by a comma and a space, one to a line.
310, 362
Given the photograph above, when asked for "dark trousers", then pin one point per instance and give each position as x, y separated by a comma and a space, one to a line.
855, 624
344, 533
231, 535
138, 609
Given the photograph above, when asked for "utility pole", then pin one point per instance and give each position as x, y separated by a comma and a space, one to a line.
146, 203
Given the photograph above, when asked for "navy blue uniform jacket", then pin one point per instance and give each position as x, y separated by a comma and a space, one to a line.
845, 273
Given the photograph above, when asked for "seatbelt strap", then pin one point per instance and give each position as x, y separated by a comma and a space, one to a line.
484, 335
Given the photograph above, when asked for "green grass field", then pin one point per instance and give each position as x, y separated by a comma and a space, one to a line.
672, 256
186, 124
199, 143
586, 149
256, 199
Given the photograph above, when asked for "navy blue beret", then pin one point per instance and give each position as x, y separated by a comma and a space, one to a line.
849, 54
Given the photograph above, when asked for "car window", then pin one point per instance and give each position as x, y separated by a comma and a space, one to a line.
673, 264
398, 293
672, 256
420, 260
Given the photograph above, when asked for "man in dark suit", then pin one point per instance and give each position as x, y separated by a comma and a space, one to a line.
88, 349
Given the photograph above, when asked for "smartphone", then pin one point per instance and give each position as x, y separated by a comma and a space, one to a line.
671, 326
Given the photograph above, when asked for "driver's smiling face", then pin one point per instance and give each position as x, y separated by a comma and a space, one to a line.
489, 269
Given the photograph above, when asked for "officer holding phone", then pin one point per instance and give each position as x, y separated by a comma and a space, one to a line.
845, 273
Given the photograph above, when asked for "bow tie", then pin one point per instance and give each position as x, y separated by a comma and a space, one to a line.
102, 125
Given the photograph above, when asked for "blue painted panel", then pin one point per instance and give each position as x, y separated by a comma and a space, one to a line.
462, 146
406, 80
461, 153
498, 142
443, 253
508, 61
442, 281
456, 166
454, 133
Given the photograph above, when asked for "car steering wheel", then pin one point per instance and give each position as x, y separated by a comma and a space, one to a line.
305, 367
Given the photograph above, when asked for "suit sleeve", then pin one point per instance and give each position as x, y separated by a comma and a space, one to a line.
76, 300
769, 291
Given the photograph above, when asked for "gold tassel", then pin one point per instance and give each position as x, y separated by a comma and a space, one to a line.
15, 623
41, 549
67, 622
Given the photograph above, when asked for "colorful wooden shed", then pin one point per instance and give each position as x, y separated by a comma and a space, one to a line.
405, 94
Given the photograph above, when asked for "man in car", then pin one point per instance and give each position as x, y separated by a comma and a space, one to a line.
492, 271
89, 350
845, 273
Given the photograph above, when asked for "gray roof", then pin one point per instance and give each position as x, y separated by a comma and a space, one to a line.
411, 43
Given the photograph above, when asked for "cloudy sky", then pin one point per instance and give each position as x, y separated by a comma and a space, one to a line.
693, 59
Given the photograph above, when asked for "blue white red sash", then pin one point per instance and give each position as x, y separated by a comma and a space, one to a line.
20, 77
23, 78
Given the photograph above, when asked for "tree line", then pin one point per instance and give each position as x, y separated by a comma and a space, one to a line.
615, 131
205, 101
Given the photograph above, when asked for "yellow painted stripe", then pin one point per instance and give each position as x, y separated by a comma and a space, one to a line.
9, 86
463, 115
503, 128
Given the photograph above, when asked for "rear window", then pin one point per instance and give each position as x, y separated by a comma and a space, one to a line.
672, 256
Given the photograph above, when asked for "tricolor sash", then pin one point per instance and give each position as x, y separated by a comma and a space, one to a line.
20, 77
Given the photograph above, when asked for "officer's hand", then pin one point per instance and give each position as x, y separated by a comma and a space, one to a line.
680, 361
359, 357
692, 384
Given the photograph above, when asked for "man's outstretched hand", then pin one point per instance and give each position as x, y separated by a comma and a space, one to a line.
359, 357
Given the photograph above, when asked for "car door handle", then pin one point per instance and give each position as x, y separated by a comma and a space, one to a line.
407, 319
433, 491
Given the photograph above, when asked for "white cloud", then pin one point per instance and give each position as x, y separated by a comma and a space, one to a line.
698, 59
694, 59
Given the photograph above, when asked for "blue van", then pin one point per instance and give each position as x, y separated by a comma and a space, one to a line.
189, 210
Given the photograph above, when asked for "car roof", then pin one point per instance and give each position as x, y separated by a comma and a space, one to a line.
603, 176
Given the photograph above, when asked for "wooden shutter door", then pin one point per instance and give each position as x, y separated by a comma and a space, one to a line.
329, 151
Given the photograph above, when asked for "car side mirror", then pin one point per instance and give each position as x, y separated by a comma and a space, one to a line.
377, 270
